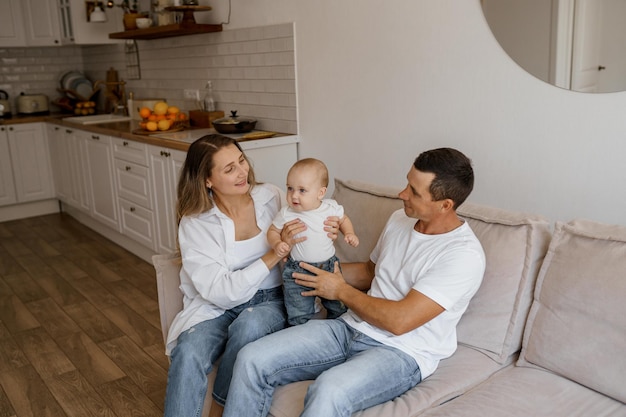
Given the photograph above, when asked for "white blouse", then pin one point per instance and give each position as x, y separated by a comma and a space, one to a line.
219, 273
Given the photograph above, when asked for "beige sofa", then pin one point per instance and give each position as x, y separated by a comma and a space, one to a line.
570, 362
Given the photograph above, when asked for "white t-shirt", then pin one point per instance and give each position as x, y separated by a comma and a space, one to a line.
216, 275
317, 247
448, 268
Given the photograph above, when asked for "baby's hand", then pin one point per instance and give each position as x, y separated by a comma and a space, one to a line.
351, 239
282, 249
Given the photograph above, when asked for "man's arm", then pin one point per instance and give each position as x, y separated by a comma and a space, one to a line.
359, 274
397, 317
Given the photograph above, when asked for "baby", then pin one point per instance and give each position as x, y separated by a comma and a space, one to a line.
306, 186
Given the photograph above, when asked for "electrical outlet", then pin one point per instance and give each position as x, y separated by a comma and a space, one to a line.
191, 94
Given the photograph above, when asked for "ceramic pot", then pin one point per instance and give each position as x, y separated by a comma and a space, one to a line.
130, 20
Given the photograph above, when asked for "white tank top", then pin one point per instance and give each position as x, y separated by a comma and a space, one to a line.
248, 251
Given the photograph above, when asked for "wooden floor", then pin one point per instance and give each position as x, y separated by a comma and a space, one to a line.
79, 324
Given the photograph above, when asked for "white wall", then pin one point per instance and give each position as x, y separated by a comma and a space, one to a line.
378, 82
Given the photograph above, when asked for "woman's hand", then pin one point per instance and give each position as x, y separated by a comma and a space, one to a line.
331, 225
290, 230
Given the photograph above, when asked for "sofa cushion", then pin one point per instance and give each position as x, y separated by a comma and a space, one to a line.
577, 324
515, 245
369, 207
515, 392
454, 376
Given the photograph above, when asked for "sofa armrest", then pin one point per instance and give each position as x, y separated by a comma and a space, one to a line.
170, 297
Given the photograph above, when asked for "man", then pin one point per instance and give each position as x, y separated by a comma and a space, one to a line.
422, 273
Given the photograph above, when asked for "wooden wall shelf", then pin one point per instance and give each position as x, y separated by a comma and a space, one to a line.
167, 31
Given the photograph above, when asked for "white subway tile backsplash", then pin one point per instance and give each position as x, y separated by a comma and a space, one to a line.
264, 46
252, 69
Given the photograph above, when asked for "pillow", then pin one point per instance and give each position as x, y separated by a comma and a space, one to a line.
515, 245
577, 324
369, 207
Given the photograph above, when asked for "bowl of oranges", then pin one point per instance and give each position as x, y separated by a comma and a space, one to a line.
161, 118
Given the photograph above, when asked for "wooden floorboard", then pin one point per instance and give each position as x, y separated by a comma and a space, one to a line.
79, 324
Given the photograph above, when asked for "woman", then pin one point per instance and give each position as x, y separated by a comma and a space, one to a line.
229, 277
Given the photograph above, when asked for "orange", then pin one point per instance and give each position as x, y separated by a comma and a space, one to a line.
173, 110
164, 124
160, 108
145, 112
152, 117
181, 116
151, 126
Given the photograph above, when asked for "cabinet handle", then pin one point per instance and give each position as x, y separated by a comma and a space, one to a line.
165, 154
11, 128
95, 137
127, 168
125, 143
56, 128
68, 131
132, 209
2, 129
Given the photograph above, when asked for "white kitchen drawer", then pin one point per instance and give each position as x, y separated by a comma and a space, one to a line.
133, 183
137, 223
131, 151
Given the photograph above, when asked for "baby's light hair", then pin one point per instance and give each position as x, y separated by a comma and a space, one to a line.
315, 164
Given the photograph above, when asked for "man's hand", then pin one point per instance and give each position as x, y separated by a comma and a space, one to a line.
325, 284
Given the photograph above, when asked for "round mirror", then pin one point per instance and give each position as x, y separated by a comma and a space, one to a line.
573, 44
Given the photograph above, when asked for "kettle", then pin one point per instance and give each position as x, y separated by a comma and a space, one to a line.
5, 104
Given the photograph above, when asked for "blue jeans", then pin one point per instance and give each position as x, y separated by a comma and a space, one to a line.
352, 371
300, 309
199, 347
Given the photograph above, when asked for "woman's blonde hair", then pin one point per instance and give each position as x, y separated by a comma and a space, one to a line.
192, 194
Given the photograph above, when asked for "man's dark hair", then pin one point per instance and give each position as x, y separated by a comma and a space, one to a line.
454, 176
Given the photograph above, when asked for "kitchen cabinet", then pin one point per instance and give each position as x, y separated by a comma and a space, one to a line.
126, 189
68, 167
29, 162
100, 175
271, 163
60, 160
11, 28
165, 165
42, 23
54, 23
7, 186
134, 191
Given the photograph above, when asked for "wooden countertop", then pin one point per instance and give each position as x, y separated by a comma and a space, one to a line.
123, 130
116, 129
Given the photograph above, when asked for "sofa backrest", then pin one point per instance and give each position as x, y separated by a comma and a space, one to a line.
368, 206
514, 244
577, 323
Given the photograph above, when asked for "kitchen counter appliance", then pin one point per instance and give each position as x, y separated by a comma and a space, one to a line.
5, 104
234, 123
32, 103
